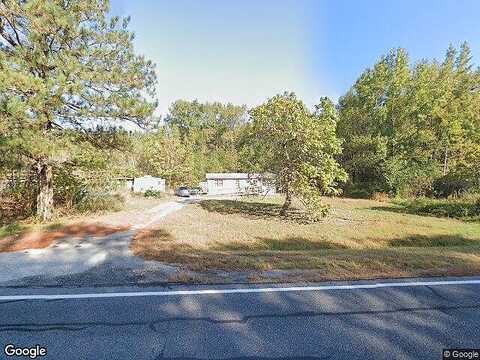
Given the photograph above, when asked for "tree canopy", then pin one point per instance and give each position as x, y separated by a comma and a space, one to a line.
413, 130
299, 147
64, 68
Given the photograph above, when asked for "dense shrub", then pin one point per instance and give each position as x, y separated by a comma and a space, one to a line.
154, 194
69, 190
467, 207
361, 190
17, 197
452, 184
100, 202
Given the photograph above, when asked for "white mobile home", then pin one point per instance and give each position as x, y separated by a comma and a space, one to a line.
239, 183
145, 183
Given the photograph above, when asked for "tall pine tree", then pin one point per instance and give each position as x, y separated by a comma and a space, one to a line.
65, 66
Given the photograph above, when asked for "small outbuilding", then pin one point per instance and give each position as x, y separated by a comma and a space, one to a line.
239, 183
142, 184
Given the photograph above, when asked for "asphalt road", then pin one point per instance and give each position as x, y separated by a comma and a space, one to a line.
407, 322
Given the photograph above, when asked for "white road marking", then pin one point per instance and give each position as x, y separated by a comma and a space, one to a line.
235, 291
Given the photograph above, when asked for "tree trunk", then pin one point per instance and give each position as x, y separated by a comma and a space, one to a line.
287, 203
445, 162
45, 193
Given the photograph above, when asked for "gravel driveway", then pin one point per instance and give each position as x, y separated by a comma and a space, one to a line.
105, 258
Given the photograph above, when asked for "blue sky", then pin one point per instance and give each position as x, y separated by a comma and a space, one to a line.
244, 51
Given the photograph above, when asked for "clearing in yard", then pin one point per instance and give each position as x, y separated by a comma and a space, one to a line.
359, 239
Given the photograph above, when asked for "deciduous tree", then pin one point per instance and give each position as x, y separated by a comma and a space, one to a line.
299, 147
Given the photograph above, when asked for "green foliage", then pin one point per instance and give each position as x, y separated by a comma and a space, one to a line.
197, 138
17, 197
69, 189
10, 229
405, 128
191, 116
165, 155
410, 178
298, 146
364, 159
357, 190
211, 131
97, 202
154, 194
461, 208
454, 184
66, 67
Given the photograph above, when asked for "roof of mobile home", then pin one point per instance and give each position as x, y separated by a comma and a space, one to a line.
233, 176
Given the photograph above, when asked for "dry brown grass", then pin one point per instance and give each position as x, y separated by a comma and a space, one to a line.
360, 239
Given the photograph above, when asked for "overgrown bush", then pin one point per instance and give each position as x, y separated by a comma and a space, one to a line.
69, 190
100, 202
361, 190
17, 197
153, 194
467, 207
452, 184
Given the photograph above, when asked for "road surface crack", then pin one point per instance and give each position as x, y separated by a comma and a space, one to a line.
32, 327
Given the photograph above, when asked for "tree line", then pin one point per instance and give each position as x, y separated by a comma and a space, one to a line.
413, 130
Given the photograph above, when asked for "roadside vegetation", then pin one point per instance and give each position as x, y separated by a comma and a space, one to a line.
358, 239
466, 207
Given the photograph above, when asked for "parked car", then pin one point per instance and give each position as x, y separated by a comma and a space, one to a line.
182, 191
195, 191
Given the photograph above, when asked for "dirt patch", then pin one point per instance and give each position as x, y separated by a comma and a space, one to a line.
27, 240
83, 229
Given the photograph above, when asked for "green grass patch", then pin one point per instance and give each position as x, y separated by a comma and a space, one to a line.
462, 208
11, 229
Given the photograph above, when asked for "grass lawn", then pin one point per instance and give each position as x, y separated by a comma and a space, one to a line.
359, 239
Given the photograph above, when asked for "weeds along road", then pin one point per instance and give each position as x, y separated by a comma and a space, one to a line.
368, 322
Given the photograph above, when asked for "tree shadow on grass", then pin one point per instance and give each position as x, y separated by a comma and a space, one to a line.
433, 241
398, 209
286, 244
254, 210
446, 211
414, 255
